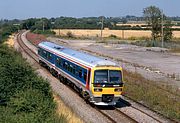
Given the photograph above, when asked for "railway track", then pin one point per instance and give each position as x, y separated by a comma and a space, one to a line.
170, 120
104, 112
26, 49
34, 56
139, 110
117, 114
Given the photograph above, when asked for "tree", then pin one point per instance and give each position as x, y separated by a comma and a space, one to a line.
27, 24
152, 15
168, 31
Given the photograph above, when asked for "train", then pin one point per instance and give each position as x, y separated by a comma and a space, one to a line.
98, 80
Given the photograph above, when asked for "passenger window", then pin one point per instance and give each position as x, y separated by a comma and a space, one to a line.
66, 65
49, 56
73, 70
80, 73
58, 60
85, 76
39, 51
44, 54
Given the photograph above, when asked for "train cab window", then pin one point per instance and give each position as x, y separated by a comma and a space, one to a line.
101, 76
115, 76
85, 76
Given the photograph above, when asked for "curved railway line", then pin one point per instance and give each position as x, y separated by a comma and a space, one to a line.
34, 56
108, 113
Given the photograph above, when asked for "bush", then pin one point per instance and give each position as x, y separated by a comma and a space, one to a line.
132, 38
112, 36
7, 30
69, 34
24, 97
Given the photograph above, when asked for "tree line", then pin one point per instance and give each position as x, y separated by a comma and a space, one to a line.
151, 15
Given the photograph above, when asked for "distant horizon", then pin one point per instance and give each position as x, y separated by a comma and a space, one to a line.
75, 17
21, 9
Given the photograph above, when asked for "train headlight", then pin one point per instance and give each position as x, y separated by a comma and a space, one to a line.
98, 90
118, 89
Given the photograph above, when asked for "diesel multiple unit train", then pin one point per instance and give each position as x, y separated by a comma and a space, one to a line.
98, 80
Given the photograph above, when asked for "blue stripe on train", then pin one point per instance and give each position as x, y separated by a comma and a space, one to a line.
72, 69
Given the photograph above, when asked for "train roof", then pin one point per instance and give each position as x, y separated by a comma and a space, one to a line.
82, 57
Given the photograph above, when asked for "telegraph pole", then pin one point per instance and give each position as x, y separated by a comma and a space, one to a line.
43, 26
102, 26
162, 30
122, 33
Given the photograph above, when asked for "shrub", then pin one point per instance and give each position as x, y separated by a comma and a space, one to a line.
24, 97
132, 38
69, 34
112, 36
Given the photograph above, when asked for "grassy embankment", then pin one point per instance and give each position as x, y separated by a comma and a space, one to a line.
153, 95
24, 97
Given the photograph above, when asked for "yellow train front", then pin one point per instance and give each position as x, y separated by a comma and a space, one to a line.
106, 85
98, 80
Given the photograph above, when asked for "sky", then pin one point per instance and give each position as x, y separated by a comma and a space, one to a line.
23, 9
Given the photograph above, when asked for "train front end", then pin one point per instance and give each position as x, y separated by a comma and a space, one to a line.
106, 85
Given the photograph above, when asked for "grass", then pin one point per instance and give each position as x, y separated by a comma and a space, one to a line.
152, 95
174, 46
63, 110
175, 50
